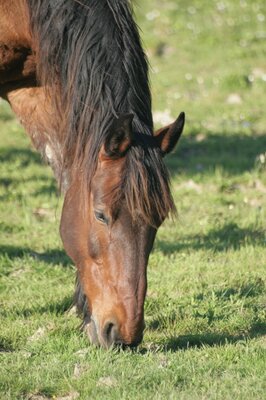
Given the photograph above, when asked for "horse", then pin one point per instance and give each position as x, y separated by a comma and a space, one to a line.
76, 76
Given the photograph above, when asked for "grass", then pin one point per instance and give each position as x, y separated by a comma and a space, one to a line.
205, 310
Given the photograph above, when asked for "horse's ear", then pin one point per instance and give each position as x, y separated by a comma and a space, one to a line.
168, 136
120, 137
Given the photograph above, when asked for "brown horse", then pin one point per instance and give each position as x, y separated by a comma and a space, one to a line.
75, 74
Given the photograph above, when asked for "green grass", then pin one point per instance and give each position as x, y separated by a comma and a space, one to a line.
206, 303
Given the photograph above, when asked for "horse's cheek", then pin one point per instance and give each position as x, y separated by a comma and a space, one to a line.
74, 235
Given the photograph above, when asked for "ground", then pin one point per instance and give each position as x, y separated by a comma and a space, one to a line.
206, 303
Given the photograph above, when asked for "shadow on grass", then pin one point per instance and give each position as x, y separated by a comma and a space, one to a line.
225, 297
54, 256
254, 288
49, 189
24, 156
234, 154
56, 308
6, 182
6, 345
230, 236
185, 342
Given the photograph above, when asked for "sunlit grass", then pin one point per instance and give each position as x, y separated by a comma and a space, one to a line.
206, 303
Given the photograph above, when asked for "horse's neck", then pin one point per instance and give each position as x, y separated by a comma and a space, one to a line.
33, 108
30, 103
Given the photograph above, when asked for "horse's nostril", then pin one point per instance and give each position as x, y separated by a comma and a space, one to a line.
110, 333
109, 329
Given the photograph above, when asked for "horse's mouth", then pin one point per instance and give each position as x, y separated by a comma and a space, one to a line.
115, 341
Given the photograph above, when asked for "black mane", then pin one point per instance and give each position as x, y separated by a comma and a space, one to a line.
90, 59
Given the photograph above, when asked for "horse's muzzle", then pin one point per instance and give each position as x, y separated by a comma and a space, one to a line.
109, 335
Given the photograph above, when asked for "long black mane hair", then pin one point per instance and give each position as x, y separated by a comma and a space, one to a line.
90, 59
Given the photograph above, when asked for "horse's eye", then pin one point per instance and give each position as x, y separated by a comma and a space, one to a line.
100, 216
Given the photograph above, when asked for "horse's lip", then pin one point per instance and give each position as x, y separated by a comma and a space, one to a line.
91, 330
125, 346
94, 320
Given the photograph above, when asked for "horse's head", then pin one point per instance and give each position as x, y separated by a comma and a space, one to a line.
110, 238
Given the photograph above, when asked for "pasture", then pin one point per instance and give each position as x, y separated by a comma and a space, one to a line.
205, 310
